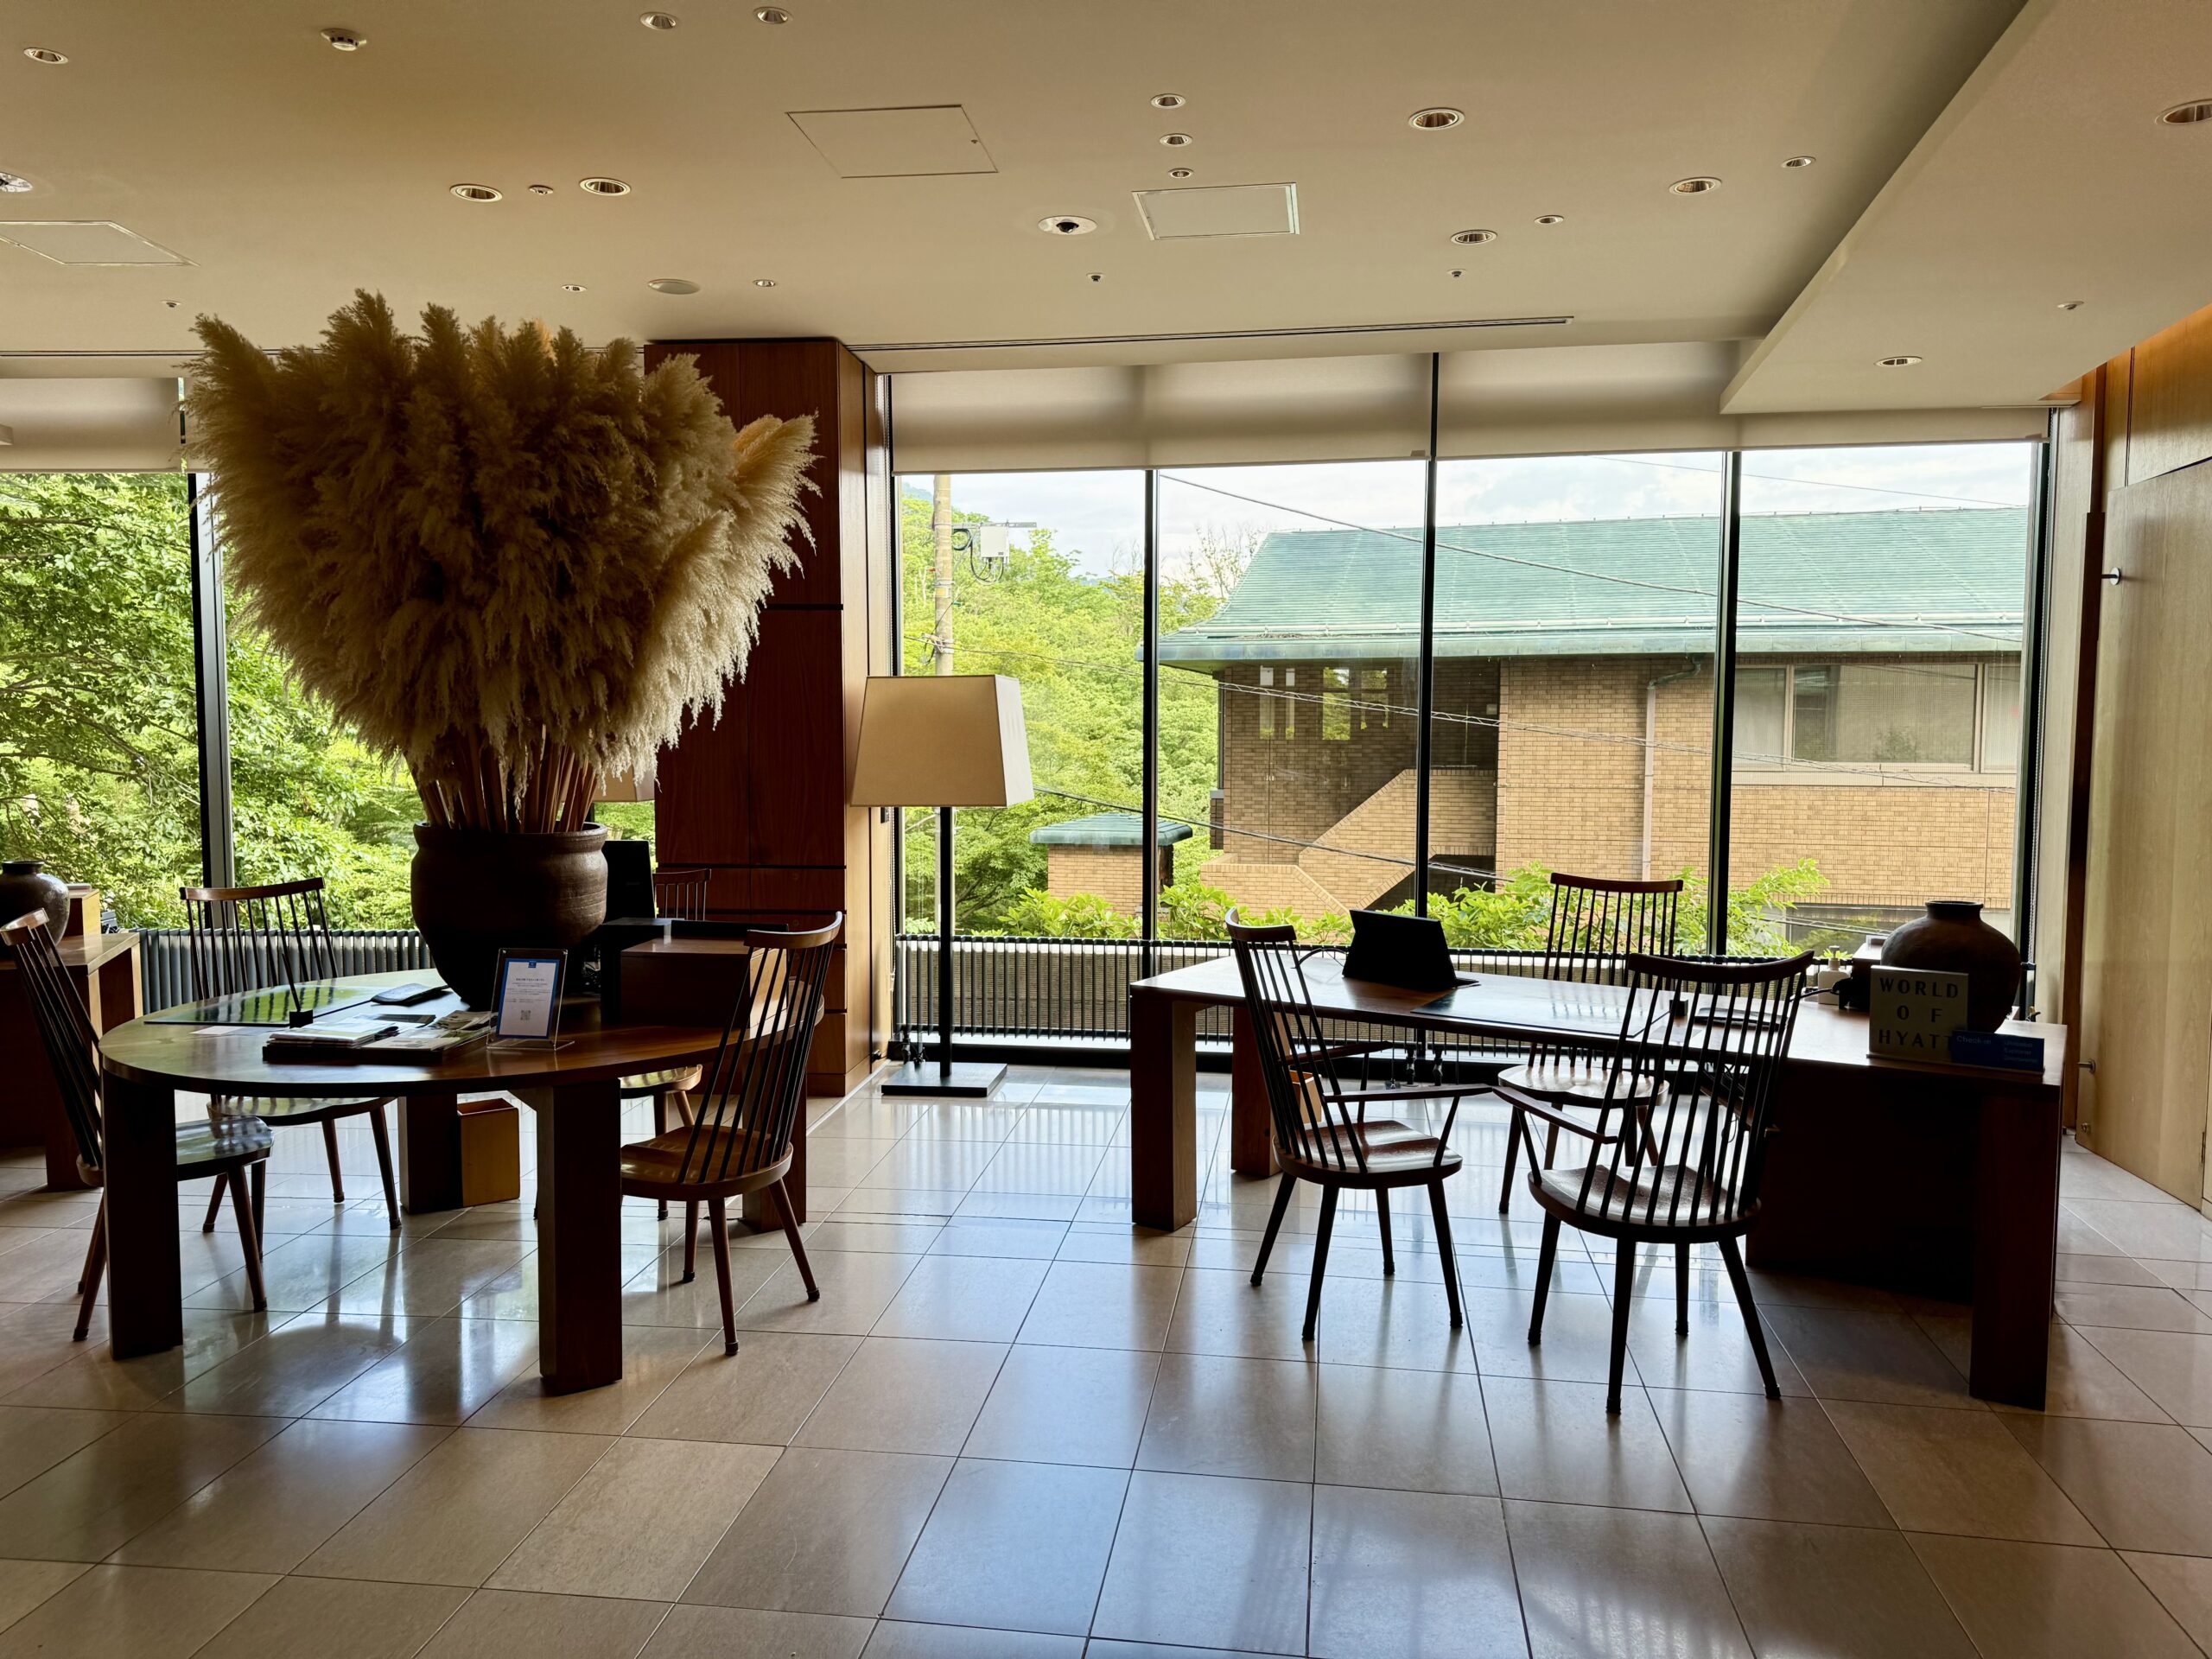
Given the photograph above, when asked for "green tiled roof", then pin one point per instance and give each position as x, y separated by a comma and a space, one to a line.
1106, 829
1815, 582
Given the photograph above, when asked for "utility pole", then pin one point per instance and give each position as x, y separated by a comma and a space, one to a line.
941, 527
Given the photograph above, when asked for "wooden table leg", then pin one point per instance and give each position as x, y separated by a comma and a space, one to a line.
1163, 1110
430, 1153
579, 1235
145, 1292
1251, 1139
2016, 1243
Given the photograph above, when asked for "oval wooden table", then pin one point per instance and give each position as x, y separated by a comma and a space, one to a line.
573, 1090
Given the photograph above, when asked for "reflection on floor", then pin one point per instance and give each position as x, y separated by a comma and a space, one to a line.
1012, 1427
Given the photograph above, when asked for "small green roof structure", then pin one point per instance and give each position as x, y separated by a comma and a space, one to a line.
1106, 829
1939, 580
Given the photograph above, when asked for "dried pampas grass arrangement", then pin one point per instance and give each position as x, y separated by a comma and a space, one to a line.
514, 563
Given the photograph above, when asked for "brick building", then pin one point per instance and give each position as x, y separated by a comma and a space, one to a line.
1878, 698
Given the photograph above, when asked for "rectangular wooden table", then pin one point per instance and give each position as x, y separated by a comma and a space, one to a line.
1940, 1180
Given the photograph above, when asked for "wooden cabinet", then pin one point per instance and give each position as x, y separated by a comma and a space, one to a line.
104, 968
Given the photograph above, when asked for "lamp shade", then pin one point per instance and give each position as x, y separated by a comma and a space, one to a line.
947, 740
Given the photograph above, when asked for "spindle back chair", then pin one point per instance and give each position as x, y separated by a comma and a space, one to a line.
680, 894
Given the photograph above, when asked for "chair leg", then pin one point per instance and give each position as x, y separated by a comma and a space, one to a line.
1623, 1280
1451, 1256
214, 1206
249, 1240
690, 1243
781, 1199
721, 1225
1382, 1222
1320, 1257
1545, 1258
95, 1266
258, 1183
1735, 1261
330, 1149
660, 1127
1274, 1223
384, 1163
1681, 1290
1513, 1132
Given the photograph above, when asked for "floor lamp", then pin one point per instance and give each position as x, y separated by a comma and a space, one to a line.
942, 740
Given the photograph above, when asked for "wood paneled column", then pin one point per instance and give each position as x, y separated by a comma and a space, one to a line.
758, 798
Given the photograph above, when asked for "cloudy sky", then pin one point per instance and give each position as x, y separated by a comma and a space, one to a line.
1101, 515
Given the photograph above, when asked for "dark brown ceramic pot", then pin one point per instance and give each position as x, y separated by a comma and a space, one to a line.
1953, 938
477, 892
25, 886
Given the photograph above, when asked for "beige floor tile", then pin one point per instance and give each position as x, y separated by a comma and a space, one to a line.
1847, 1354
763, 1393
1577, 1337
2131, 1307
32, 1438
454, 1516
935, 1164
640, 1522
24, 1584
897, 1641
448, 1369
1404, 1321
301, 1273
2173, 1368
88, 1376
1960, 1472
901, 1394
1618, 1581
295, 1367
337, 1618
1715, 1355
892, 1204
1804, 1591
1094, 1241
841, 1161
874, 1237
2080, 1381
512, 1624
855, 1287
656, 1295
269, 1511
2075, 1269
828, 1532
94, 1501
1220, 1311
2048, 1601
46, 1268
34, 1342
964, 1298
2145, 1486
429, 1276
1103, 1304
1066, 1405
1419, 1575
743, 1633
1207, 1561
1218, 1414
1554, 1441
2182, 1584
653, 1356
1743, 1454
148, 1613
1406, 1430
1014, 1547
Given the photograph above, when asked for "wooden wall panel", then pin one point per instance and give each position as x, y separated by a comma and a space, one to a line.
2169, 405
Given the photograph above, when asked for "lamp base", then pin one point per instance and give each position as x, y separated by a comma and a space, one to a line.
967, 1080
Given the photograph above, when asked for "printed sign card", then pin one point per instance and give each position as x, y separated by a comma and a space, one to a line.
528, 997
1912, 1013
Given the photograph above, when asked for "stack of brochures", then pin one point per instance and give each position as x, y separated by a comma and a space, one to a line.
359, 1037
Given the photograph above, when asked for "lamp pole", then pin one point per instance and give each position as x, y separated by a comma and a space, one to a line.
941, 587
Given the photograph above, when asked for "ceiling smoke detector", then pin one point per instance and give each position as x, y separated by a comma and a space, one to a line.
1435, 119
603, 186
1473, 239
1903, 360
476, 193
1694, 187
43, 54
13, 184
1169, 101
660, 21
1067, 225
2181, 115
344, 40
1799, 161
673, 285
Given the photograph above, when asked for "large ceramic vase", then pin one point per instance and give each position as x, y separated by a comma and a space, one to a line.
1953, 938
25, 886
477, 892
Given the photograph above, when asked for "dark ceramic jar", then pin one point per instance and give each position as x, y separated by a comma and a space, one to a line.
1953, 938
478, 891
25, 886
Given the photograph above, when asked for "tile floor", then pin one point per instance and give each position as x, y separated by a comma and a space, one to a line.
1012, 1427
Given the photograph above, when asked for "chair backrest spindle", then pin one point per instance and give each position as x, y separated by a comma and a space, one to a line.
65, 1029
257, 938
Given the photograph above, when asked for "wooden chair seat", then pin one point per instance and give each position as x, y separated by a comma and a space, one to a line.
271, 1110
654, 1168
680, 1080
1394, 1154
221, 1143
1675, 1198
1577, 1080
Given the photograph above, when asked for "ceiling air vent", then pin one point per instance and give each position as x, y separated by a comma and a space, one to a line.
86, 242
1204, 210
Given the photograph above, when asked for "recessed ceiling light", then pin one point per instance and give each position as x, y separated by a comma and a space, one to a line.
1176, 140
572, 287
772, 14
171, 304
1067, 225
2181, 115
2069, 305
344, 40
657, 20
603, 186
1799, 160
42, 54
1179, 172
1097, 276
541, 189
476, 193
1435, 119
1473, 239
1694, 187
1904, 360
763, 282
673, 285
1169, 101
1551, 219
13, 184
1458, 273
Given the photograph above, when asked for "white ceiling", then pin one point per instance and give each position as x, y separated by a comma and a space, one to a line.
290, 174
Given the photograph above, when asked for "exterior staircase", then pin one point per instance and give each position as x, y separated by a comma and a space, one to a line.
1365, 854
